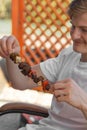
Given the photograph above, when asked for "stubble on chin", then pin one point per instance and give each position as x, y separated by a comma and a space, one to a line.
76, 49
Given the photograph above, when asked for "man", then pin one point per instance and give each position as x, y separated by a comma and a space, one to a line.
67, 73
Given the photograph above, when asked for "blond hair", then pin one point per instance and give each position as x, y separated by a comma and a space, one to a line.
77, 7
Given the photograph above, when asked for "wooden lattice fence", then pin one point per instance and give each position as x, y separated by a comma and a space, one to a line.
42, 28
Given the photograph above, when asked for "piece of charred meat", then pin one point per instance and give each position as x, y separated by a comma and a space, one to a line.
15, 57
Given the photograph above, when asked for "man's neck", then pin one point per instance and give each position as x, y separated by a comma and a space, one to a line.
83, 58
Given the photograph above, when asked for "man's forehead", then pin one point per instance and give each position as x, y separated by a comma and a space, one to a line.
79, 21
79, 16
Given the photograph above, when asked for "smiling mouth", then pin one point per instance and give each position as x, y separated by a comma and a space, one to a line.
77, 43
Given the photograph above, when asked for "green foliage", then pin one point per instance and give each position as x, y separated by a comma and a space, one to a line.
5, 9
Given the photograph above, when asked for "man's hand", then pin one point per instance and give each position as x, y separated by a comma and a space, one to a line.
68, 91
8, 45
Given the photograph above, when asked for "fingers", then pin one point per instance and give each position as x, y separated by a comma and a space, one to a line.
67, 83
8, 44
62, 90
3, 48
13, 46
59, 86
10, 40
2, 54
63, 98
65, 80
59, 93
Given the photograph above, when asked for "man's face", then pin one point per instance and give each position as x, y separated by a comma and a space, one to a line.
79, 33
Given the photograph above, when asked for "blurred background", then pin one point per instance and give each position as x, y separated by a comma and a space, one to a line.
5, 17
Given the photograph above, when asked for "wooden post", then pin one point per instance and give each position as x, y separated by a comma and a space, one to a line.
17, 20
15, 17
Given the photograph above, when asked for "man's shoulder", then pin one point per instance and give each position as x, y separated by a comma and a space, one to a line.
68, 51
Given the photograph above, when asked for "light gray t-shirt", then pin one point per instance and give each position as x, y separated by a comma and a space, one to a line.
63, 116
66, 65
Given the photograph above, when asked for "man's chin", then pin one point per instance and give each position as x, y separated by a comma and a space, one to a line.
76, 49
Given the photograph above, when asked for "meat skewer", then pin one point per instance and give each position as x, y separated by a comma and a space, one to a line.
27, 71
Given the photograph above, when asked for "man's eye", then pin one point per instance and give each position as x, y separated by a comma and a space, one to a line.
84, 30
